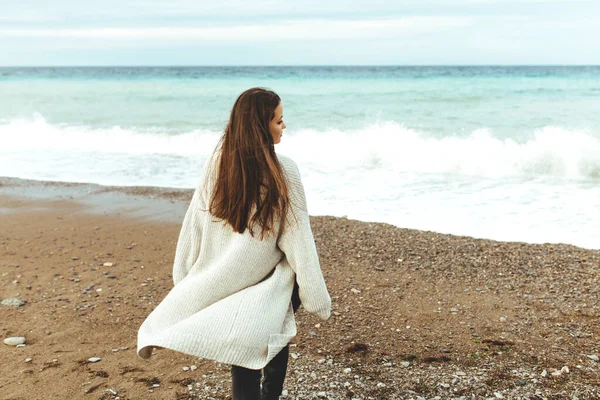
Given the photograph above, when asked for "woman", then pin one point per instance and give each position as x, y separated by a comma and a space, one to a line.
245, 245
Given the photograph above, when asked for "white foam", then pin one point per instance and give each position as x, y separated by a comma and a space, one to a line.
38, 134
548, 152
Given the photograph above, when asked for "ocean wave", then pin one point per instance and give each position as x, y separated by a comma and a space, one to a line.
38, 134
548, 152
388, 146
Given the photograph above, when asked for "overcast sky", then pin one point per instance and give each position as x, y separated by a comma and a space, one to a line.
294, 32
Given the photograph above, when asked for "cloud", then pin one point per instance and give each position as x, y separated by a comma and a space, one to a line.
312, 31
285, 30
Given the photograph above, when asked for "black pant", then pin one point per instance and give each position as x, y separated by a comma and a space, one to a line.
246, 382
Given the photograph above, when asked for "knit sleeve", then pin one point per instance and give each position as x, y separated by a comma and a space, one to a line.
190, 237
298, 244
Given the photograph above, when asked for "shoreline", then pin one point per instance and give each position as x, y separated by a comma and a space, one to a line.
414, 313
171, 202
153, 203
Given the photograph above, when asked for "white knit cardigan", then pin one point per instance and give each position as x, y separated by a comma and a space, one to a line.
231, 299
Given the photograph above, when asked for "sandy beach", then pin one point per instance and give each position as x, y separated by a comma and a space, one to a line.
415, 314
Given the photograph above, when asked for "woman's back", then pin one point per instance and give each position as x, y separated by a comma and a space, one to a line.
245, 245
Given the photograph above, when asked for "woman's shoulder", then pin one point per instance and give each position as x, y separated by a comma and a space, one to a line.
289, 166
294, 181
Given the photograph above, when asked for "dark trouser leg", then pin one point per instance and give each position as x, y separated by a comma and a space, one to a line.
276, 369
245, 383
275, 375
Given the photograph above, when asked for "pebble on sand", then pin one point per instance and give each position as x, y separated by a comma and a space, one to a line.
94, 359
108, 264
14, 341
12, 302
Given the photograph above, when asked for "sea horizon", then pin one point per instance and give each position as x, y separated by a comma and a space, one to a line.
475, 65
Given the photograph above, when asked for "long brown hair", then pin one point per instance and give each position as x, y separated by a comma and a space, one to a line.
250, 189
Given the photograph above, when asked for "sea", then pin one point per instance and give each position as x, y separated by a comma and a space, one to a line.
509, 153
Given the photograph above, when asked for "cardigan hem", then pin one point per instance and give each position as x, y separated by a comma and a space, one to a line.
223, 351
